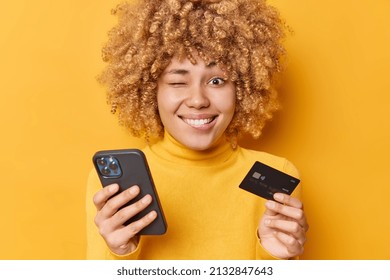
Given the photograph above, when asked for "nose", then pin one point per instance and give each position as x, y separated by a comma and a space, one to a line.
197, 98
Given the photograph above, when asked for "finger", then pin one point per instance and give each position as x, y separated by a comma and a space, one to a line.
101, 197
115, 203
125, 239
130, 211
135, 227
295, 203
268, 210
288, 200
289, 227
288, 211
293, 246
284, 199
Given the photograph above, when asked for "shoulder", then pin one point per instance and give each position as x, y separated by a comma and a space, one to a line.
277, 162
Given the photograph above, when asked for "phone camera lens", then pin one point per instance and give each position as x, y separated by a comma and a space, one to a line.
106, 171
101, 161
113, 166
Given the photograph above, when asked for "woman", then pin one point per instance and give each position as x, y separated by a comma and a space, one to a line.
191, 77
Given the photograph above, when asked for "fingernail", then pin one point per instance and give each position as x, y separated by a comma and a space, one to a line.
146, 199
152, 214
270, 204
133, 190
278, 196
112, 188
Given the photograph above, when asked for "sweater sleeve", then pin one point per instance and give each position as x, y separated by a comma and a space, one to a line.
96, 246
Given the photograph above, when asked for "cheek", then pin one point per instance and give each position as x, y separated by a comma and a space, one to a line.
161, 106
228, 104
167, 105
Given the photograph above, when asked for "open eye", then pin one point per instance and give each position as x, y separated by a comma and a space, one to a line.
216, 81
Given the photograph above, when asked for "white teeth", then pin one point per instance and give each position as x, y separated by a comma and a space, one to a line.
198, 122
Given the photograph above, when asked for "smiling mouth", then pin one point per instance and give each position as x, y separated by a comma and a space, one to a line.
198, 122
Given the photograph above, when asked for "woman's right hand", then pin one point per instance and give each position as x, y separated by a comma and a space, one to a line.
120, 239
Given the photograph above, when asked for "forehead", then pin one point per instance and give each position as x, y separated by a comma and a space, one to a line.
180, 66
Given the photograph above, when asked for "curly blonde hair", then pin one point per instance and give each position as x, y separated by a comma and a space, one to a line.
243, 36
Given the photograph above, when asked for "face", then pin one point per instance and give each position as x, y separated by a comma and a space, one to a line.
196, 102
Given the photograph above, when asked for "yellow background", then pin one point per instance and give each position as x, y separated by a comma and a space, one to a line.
334, 125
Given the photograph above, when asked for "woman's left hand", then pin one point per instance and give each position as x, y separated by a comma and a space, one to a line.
282, 229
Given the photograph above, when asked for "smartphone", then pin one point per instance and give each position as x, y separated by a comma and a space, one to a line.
127, 168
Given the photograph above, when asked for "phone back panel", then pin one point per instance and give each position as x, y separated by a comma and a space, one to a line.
128, 168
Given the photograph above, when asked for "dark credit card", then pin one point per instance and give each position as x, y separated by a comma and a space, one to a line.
264, 181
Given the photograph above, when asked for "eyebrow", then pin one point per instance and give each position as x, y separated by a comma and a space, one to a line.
180, 71
211, 64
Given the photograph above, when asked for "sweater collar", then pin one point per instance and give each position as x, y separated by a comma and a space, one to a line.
172, 150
